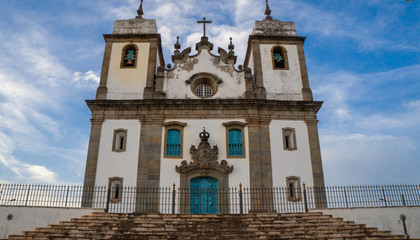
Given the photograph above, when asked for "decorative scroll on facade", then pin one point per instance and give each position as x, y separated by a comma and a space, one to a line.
204, 158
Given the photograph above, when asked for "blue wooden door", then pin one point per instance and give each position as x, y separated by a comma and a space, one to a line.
204, 198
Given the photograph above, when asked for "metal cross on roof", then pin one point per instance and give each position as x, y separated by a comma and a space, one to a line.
204, 24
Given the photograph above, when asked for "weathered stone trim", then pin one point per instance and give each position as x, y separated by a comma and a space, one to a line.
92, 162
148, 172
131, 37
260, 163
151, 69
110, 180
114, 142
259, 82
298, 189
306, 90
204, 109
174, 125
223, 181
249, 84
102, 89
240, 126
316, 161
293, 134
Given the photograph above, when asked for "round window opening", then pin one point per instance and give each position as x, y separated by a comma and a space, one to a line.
203, 90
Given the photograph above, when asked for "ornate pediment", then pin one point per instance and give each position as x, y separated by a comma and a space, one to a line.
204, 158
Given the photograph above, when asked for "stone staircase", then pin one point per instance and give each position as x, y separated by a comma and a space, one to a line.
314, 226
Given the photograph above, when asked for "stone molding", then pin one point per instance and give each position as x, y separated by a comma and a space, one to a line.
157, 110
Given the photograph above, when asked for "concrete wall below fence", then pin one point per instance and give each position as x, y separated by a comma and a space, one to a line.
29, 218
385, 219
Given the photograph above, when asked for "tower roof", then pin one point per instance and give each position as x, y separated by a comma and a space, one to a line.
137, 25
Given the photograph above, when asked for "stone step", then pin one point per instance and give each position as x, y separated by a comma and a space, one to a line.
206, 227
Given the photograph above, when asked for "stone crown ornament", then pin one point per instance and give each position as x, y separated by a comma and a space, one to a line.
204, 158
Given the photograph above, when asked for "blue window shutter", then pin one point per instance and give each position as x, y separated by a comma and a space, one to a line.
235, 142
173, 143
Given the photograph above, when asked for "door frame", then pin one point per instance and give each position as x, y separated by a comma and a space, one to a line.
223, 188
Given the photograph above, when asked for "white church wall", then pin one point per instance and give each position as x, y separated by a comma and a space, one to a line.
127, 83
29, 218
282, 84
286, 163
233, 85
217, 132
385, 219
118, 164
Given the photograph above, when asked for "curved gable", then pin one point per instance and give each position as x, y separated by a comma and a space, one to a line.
217, 72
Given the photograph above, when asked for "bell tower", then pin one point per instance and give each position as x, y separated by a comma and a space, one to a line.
275, 55
133, 52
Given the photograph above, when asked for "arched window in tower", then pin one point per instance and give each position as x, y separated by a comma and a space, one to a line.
279, 56
129, 56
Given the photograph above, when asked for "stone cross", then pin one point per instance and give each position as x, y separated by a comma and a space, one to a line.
204, 24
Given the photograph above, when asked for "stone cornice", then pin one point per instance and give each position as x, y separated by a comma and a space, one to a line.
131, 36
254, 110
208, 104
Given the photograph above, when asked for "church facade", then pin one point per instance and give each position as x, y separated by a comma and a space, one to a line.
203, 122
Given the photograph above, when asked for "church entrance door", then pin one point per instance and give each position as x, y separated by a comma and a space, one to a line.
204, 198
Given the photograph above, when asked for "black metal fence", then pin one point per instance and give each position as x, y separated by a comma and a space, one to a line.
240, 200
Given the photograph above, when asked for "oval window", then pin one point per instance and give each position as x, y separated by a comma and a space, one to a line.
203, 90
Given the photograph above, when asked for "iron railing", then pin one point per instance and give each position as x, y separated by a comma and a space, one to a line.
240, 200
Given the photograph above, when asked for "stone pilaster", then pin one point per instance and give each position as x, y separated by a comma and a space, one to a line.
260, 163
148, 173
160, 76
92, 162
249, 84
151, 68
256, 53
306, 90
317, 170
102, 89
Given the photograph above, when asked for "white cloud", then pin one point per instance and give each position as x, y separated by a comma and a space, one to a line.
88, 79
32, 101
370, 146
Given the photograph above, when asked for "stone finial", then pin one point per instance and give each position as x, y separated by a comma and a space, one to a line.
140, 10
177, 46
267, 11
231, 47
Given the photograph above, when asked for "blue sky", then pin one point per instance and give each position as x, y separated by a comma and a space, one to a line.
363, 59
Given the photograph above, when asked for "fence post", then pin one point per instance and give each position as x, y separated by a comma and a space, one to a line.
27, 196
241, 204
403, 199
67, 196
383, 194
173, 199
305, 198
345, 195
108, 199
